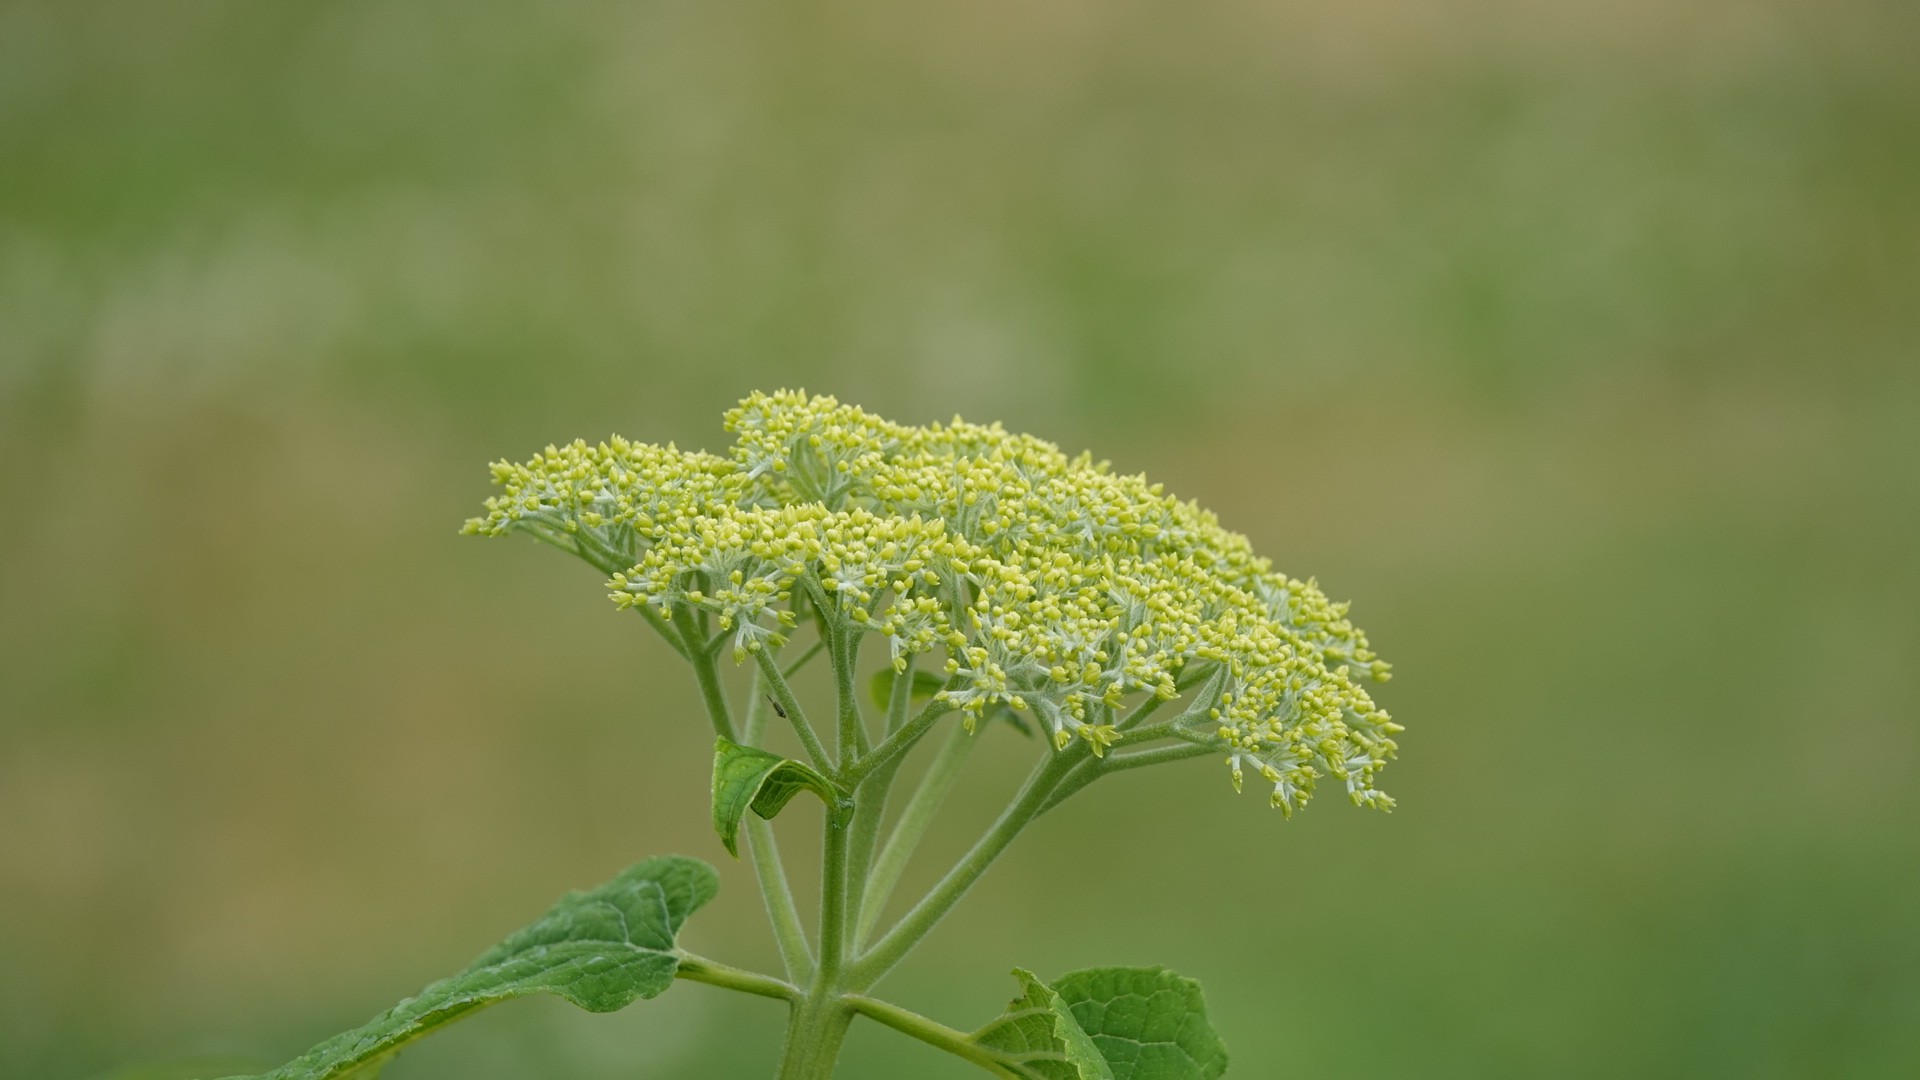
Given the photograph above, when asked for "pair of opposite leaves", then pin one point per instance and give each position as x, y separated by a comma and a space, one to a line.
604, 948
607, 947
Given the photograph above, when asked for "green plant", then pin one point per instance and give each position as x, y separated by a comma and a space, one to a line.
1013, 587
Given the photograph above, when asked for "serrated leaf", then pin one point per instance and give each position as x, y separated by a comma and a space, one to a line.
880, 687
601, 949
746, 777
1107, 1024
1040, 1037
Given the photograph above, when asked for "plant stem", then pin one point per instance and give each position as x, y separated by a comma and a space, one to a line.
770, 670
902, 740
833, 900
799, 662
844, 646
1094, 768
753, 726
700, 969
870, 808
819, 1020
815, 1029
782, 913
871, 803
900, 697
913, 823
932, 1032
926, 914
705, 671
764, 849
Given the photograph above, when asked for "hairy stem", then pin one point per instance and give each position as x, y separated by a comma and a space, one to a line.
815, 1028
925, 915
844, 647
833, 900
800, 661
903, 739
870, 802
819, 1020
907, 832
777, 894
775, 890
900, 698
770, 671
706, 671
931, 1032
1094, 768
700, 969
871, 798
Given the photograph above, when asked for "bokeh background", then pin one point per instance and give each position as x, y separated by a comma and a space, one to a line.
1578, 344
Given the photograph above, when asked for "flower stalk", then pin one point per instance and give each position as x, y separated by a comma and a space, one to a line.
1050, 593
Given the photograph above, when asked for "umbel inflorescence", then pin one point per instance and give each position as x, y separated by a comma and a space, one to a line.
1041, 583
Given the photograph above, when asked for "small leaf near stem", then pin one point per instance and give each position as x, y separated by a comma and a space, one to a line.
776, 892
745, 777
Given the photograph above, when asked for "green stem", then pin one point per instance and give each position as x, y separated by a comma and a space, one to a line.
1094, 768
844, 646
870, 808
902, 740
913, 823
777, 894
753, 727
799, 662
917, 923
700, 969
833, 900
770, 670
815, 1029
931, 1032
705, 671
775, 890
871, 800
1138, 716
1155, 755
819, 1020
900, 698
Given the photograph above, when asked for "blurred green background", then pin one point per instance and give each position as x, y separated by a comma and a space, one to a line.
1578, 344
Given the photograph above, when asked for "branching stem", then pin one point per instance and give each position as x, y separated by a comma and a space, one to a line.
918, 922
958, 1043
913, 824
770, 671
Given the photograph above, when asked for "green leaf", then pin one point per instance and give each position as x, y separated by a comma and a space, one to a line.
1039, 1036
600, 949
745, 776
1107, 1024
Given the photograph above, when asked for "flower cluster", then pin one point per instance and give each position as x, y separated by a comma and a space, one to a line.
1045, 583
